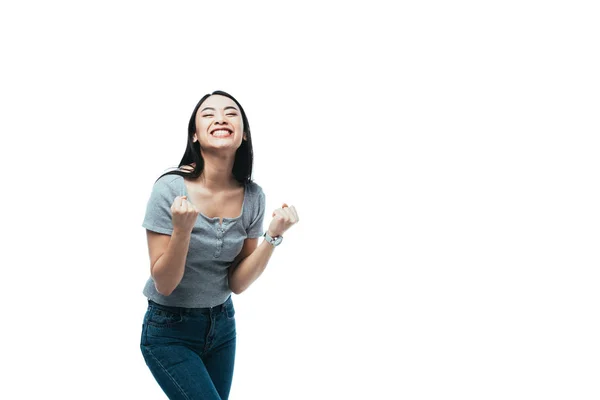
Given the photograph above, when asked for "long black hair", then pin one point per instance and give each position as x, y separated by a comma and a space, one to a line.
242, 166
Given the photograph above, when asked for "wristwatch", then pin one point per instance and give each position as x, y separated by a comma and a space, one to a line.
273, 240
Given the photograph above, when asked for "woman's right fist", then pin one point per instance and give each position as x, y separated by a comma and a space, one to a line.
184, 214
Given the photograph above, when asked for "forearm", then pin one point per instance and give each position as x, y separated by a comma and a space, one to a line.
250, 268
168, 270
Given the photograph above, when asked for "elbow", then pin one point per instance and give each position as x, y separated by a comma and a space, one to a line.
164, 291
236, 289
161, 285
232, 283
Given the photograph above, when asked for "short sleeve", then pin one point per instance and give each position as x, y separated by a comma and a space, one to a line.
256, 227
158, 216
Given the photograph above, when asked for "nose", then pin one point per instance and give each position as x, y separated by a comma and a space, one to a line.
219, 117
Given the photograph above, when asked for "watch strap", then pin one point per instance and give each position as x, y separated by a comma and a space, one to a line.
275, 241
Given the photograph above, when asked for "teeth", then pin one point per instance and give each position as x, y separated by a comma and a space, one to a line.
221, 132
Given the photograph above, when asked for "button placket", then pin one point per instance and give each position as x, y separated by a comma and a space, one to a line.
220, 232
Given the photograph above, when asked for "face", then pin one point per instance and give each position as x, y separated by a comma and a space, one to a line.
219, 124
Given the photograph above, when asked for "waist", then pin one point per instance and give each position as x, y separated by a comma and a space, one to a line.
192, 310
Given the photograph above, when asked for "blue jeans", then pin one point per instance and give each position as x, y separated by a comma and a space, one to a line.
190, 351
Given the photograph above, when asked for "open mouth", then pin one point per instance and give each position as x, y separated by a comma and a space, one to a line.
221, 132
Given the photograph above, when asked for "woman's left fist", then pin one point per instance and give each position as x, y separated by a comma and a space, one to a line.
283, 219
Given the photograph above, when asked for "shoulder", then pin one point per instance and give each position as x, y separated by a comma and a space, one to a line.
168, 183
255, 190
168, 179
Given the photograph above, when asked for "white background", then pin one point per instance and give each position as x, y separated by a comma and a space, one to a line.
442, 156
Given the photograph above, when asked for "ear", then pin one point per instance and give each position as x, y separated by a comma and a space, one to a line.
194, 139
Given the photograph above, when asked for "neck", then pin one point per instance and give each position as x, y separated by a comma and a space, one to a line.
216, 174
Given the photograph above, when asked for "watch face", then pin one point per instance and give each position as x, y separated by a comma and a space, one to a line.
273, 240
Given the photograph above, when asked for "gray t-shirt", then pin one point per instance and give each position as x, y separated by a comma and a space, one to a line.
212, 247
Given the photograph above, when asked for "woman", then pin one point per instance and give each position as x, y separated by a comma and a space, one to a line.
203, 222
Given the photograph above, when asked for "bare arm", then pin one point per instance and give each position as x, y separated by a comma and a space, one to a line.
168, 253
252, 260
249, 265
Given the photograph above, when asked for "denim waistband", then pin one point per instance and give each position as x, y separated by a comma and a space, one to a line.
192, 310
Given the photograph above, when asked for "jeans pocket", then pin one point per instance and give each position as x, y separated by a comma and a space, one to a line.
162, 318
230, 311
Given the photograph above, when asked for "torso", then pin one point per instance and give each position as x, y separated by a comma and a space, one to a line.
224, 204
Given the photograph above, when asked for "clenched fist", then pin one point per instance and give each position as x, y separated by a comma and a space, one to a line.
184, 214
284, 218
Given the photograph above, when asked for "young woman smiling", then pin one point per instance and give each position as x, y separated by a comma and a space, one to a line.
203, 223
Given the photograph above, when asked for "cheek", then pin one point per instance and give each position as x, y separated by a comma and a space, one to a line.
239, 126
201, 128
201, 125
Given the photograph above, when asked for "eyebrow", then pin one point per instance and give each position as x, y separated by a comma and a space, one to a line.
226, 108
